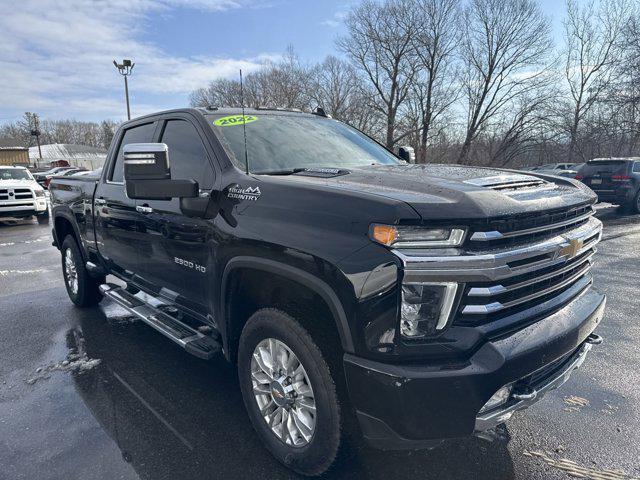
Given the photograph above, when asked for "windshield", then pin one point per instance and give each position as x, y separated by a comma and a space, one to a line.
15, 174
603, 166
284, 142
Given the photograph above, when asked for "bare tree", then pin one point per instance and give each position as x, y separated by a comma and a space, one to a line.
591, 42
434, 89
521, 128
285, 83
379, 42
504, 51
335, 86
219, 93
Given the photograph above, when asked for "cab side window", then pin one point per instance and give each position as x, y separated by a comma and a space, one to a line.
188, 158
138, 134
636, 167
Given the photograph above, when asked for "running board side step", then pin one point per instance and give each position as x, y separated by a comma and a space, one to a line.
195, 342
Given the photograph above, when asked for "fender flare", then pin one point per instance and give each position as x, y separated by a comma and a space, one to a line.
299, 276
68, 216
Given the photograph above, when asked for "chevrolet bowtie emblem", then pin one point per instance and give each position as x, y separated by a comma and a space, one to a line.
571, 250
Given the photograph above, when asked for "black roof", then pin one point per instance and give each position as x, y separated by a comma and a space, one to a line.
224, 111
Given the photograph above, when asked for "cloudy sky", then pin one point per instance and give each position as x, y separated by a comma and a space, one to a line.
56, 56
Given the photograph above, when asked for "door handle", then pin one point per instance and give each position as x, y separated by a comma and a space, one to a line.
100, 201
143, 209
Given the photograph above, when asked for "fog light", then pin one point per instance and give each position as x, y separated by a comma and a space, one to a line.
425, 308
498, 398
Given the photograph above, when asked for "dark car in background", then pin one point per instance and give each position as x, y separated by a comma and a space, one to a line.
614, 180
62, 173
41, 177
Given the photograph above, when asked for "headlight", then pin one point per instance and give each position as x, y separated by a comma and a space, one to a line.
39, 193
426, 308
415, 237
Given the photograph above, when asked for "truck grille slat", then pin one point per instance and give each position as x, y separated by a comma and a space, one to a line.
505, 287
513, 299
528, 229
536, 259
551, 273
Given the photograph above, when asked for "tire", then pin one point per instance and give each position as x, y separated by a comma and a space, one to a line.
83, 290
43, 219
308, 451
634, 206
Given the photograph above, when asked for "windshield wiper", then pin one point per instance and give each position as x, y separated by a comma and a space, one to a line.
290, 171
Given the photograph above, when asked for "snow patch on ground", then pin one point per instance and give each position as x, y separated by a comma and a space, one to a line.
74, 362
23, 242
574, 469
115, 314
5, 273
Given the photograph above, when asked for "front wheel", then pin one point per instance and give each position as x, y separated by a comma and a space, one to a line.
289, 392
43, 218
635, 203
83, 290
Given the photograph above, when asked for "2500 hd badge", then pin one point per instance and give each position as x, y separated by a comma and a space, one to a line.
190, 264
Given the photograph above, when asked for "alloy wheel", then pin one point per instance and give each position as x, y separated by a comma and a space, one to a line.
283, 392
71, 272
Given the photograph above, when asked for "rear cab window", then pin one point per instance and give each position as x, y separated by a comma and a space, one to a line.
137, 134
604, 167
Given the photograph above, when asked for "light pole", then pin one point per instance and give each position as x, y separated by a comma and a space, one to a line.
125, 69
35, 131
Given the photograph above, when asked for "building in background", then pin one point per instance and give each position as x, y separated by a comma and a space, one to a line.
82, 156
14, 156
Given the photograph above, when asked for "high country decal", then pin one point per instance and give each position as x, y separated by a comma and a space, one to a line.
244, 193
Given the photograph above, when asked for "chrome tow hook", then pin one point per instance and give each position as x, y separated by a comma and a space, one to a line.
594, 339
527, 393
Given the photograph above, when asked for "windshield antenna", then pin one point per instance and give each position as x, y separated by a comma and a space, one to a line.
244, 126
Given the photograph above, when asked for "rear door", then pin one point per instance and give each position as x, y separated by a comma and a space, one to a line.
117, 232
598, 174
175, 252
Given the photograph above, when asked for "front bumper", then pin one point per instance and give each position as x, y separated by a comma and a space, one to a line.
415, 406
23, 208
619, 196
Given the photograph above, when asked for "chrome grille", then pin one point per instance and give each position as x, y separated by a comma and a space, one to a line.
22, 193
529, 228
16, 194
497, 283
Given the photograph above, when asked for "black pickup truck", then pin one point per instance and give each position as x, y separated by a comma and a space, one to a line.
427, 301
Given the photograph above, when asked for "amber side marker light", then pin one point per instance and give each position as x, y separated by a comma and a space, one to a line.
384, 234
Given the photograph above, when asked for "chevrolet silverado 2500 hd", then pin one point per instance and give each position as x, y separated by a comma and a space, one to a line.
431, 301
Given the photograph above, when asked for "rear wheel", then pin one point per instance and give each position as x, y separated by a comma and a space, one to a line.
83, 290
43, 218
634, 206
289, 392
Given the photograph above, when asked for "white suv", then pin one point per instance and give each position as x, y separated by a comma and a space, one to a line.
21, 196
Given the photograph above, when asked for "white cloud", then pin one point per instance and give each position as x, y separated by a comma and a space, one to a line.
335, 21
55, 57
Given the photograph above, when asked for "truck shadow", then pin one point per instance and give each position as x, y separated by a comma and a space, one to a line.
174, 416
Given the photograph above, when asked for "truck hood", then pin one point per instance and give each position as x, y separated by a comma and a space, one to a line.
20, 184
456, 191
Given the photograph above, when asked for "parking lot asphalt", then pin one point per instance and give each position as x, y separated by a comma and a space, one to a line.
83, 397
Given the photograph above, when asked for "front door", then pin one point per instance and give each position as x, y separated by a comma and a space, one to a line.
175, 254
116, 226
